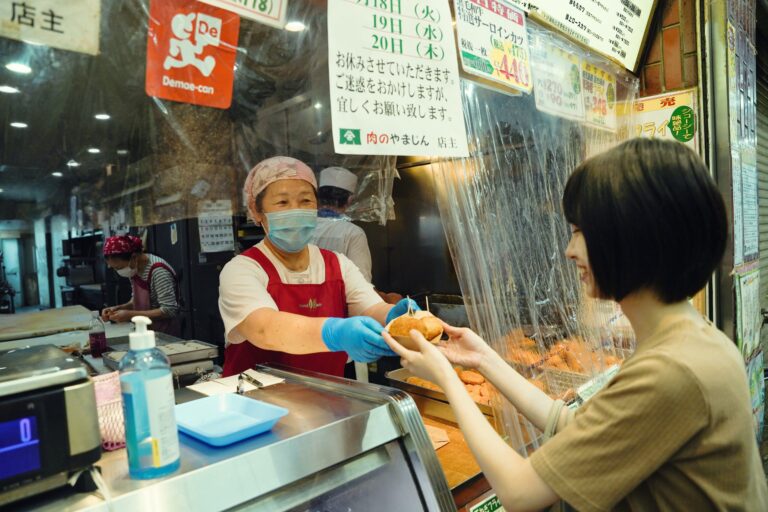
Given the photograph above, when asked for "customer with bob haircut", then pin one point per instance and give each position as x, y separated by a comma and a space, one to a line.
673, 429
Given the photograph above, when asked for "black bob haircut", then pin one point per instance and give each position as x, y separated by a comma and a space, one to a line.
652, 218
333, 196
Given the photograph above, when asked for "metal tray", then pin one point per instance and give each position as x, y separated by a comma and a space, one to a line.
397, 379
178, 352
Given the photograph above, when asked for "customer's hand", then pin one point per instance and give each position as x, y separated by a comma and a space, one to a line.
464, 347
427, 362
358, 336
401, 308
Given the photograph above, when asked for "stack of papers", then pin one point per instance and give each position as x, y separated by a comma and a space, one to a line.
229, 384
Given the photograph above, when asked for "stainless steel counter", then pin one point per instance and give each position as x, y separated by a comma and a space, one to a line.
343, 442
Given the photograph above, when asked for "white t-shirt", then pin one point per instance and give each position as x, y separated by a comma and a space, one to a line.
340, 235
243, 287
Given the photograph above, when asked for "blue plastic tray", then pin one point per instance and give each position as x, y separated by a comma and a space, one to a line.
220, 420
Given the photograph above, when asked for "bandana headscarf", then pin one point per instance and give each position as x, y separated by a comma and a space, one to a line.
270, 170
122, 244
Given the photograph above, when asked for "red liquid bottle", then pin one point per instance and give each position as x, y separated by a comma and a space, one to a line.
97, 337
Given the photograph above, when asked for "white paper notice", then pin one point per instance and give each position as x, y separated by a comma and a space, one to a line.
72, 25
215, 226
738, 223
749, 205
556, 79
394, 79
269, 12
493, 42
614, 28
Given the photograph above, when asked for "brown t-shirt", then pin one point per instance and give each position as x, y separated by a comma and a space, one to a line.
672, 431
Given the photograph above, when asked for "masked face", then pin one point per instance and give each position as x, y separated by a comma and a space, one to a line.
291, 230
126, 272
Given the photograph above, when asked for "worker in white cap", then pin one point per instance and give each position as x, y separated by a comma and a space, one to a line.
334, 230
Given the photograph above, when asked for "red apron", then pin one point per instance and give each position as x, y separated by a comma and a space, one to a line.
328, 299
141, 301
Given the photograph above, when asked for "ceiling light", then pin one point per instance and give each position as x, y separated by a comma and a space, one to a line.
7, 89
319, 133
18, 67
295, 26
94, 151
1, 191
122, 152
318, 105
102, 117
57, 174
16, 124
73, 163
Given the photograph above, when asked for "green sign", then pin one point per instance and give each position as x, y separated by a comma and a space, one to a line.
681, 123
349, 136
489, 504
478, 63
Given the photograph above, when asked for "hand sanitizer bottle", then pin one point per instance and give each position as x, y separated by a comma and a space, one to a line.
148, 405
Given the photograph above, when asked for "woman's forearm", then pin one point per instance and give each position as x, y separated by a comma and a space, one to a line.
529, 400
277, 330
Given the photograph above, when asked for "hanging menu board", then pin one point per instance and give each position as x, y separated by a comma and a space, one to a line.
614, 28
494, 42
394, 79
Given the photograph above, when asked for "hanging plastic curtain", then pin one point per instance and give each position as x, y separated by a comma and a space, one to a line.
502, 214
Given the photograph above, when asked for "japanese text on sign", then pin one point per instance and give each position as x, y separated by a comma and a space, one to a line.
494, 42
269, 12
672, 116
599, 90
557, 80
71, 25
394, 78
614, 28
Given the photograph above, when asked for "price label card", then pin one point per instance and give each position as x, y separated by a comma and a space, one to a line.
493, 42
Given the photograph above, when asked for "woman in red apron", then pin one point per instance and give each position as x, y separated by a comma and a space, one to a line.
155, 291
288, 302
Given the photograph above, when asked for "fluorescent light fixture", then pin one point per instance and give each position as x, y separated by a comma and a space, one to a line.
17, 124
94, 151
73, 163
318, 105
7, 89
295, 26
319, 133
122, 152
18, 67
57, 174
103, 117
1, 191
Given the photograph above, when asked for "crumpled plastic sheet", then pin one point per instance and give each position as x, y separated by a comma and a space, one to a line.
502, 214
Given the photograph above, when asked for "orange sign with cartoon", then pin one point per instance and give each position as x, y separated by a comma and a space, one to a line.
191, 52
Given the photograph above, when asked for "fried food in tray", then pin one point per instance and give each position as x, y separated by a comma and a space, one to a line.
477, 387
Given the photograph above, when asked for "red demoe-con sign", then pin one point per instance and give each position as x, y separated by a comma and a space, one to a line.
191, 52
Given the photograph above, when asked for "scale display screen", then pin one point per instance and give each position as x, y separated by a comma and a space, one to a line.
19, 447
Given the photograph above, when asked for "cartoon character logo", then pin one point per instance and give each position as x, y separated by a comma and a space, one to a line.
183, 51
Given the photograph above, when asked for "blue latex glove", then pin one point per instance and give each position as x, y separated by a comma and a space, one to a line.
358, 336
401, 308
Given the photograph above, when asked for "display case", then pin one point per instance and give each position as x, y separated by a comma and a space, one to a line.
345, 445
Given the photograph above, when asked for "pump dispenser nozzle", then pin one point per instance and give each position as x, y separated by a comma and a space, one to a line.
142, 338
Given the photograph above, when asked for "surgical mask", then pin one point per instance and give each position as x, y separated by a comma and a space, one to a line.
291, 230
126, 272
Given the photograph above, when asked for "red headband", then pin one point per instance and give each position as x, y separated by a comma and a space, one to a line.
122, 244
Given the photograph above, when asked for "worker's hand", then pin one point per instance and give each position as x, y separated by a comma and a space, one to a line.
464, 347
427, 362
107, 312
358, 336
401, 308
121, 316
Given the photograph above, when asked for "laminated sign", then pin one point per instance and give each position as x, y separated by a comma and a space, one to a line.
191, 52
268, 12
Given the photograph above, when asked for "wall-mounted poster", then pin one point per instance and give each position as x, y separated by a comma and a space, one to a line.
599, 92
669, 116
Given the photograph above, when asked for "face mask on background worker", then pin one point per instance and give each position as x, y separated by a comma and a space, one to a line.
126, 272
291, 230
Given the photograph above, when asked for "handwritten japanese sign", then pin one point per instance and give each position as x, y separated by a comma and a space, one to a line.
269, 12
394, 79
493, 42
614, 28
599, 91
670, 116
556, 80
72, 25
